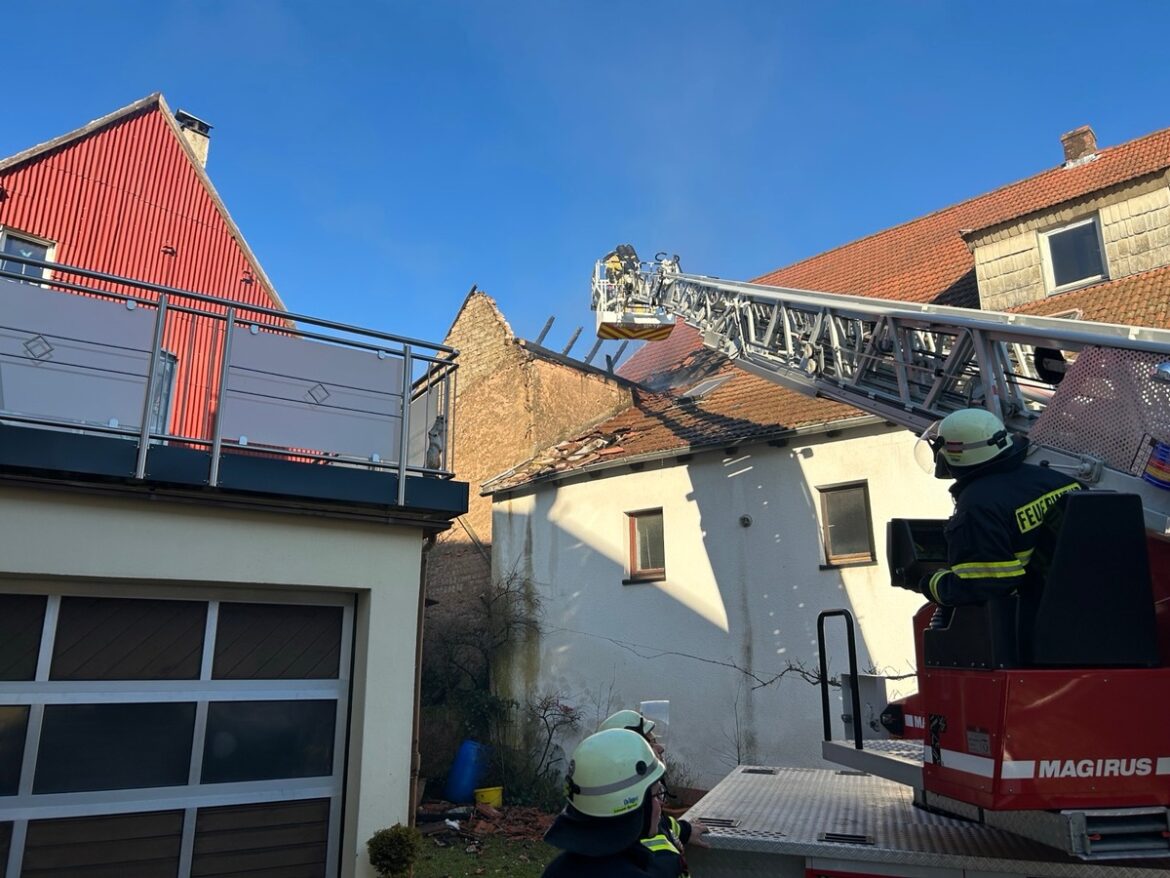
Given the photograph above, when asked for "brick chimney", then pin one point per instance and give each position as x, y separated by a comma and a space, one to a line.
1079, 144
197, 133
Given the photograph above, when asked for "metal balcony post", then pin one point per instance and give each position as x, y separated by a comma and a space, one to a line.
404, 431
217, 428
452, 387
151, 381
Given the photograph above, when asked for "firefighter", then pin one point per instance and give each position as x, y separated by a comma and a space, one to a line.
614, 796
673, 834
1000, 503
613, 265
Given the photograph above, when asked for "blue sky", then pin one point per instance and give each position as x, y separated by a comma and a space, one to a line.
381, 157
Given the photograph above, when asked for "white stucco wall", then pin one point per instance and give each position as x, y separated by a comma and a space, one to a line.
113, 542
739, 605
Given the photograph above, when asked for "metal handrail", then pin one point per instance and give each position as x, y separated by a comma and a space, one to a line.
856, 696
433, 388
199, 297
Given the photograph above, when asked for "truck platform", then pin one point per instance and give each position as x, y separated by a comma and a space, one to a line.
808, 823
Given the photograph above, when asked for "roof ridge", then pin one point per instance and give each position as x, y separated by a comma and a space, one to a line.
88, 128
958, 204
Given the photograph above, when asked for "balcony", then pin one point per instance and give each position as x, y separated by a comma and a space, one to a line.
116, 382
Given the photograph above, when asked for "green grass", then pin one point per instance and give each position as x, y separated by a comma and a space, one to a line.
495, 857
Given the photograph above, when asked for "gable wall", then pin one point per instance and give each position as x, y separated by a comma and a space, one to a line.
111, 201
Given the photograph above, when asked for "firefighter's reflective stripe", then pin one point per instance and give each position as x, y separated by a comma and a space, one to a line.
660, 843
1009, 571
989, 569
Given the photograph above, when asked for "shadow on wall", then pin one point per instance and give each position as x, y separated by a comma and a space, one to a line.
729, 637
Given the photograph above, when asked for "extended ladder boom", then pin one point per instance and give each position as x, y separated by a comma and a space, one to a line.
1093, 395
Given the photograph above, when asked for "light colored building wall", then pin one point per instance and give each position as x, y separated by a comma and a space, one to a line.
1137, 233
739, 604
1135, 228
110, 543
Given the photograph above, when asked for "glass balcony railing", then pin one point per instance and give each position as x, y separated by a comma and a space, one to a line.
88, 352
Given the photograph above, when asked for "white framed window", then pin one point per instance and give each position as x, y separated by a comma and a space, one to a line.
17, 243
846, 524
647, 549
1074, 255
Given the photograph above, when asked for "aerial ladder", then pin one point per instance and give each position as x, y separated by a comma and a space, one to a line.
1093, 398
1089, 771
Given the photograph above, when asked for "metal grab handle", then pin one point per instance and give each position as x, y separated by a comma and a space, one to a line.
856, 696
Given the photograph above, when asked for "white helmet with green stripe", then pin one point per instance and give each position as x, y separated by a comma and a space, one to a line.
610, 773
628, 719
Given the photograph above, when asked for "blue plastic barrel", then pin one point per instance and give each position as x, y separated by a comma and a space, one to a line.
469, 768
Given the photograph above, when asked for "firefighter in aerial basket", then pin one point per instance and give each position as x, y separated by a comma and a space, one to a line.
614, 798
1000, 504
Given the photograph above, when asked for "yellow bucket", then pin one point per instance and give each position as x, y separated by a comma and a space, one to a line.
493, 796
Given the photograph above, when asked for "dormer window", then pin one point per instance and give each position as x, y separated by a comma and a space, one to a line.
1073, 255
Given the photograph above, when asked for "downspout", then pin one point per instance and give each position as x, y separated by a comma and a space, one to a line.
416, 723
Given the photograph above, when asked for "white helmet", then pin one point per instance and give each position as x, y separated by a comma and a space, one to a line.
610, 773
963, 440
628, 719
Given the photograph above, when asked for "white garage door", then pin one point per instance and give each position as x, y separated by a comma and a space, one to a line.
144, 736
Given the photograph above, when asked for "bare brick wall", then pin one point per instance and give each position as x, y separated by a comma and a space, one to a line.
509, 404
569, 401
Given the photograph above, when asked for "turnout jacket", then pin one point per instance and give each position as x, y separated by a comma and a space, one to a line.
990, 537
634, 862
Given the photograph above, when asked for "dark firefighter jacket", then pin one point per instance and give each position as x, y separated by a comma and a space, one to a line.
634, 862
990, 537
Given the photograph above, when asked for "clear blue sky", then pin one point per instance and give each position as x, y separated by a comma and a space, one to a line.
381, 157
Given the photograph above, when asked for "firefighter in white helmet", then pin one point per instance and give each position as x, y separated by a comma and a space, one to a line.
672, 834
614, 797
1000, 503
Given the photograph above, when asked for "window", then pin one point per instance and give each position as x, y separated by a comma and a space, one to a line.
846, 524
1074, 255
15, 244
647, 555
164, 392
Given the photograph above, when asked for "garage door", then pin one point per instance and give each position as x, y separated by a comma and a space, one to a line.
142, 736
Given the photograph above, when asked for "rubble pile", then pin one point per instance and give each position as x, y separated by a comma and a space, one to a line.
447, 823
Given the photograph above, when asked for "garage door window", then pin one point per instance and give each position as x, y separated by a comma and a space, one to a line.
262, 740
22, 618
128, 639
13, 726
113, 746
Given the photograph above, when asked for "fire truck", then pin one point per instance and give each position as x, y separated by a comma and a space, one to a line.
1038, 742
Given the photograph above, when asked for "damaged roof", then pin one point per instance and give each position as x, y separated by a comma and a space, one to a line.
740, 409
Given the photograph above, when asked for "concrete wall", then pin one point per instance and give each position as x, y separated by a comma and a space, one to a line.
739, 604
111, 541
1135, 226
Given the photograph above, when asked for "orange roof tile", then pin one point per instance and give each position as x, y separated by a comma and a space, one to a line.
745, 408
1138, 300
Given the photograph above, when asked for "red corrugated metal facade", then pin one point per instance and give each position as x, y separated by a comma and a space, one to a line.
117, 201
